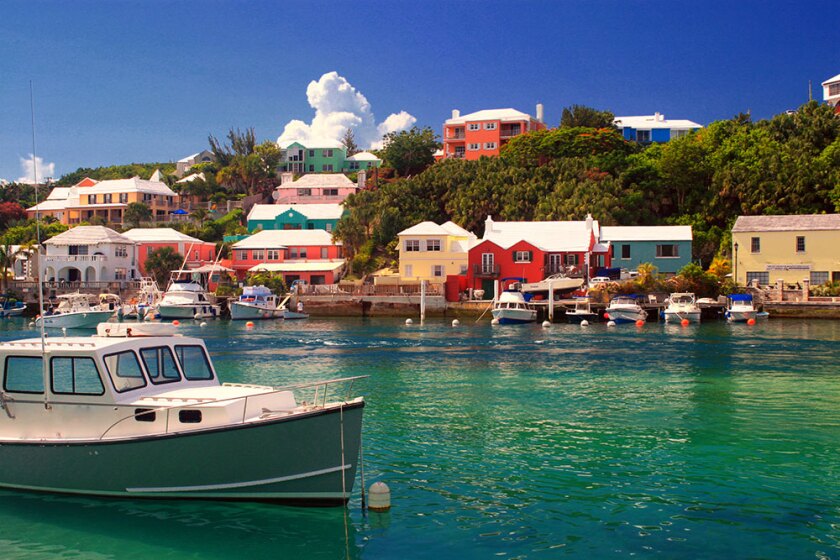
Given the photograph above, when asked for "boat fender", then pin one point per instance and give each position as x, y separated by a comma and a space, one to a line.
203, 324
546, 324
494, 321
455, 322
409, 322
584, 323
610, 323
379, 497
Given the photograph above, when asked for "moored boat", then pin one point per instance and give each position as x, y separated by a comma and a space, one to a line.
625, 309
511, 308
74, 311
682, 307
10, 307
256, 302
740, 308
187, 300
581, 312
558, 283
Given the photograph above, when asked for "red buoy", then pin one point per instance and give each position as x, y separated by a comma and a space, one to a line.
249, 324
640, 323
176, 322
751, 321
685, 322
606, 315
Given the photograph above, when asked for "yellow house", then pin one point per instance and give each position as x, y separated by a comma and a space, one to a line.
787, 248
429, 251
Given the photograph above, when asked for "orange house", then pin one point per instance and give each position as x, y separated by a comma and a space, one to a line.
483, 133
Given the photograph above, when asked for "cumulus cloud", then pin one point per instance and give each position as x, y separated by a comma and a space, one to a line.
339, 106
27, 166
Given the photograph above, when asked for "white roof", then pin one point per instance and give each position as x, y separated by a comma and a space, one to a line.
431, 228
363, 156
654, 121
492, 115
830, 80
59, 193
88, 235
160, 235
546, 236
311, 211
49, 205
645, 233
189, 158
191, 178
315, 144
320, 180
298, 266
281, 238
135, 184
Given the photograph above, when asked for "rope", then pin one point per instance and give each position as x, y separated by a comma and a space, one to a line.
344, 487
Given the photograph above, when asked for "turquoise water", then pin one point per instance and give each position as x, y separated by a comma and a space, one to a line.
717, 441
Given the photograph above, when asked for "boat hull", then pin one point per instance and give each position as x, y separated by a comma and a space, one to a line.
188, 311
292, 315
678, 316
245, 311
13, 311
626, 315
295, 459
740, 316
514, 316
76, 320
577, 318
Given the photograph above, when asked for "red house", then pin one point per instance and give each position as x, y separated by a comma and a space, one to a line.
197, 252
535, 250
301, 254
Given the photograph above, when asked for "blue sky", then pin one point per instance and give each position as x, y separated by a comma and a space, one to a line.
125, 81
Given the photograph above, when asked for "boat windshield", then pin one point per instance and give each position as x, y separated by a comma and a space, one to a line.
124, 369
194, 362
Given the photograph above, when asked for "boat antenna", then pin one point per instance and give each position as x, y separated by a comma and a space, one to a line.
38, 252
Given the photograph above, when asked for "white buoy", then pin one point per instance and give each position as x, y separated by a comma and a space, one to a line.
31, 323
197, 316
455, 322
409, 322
203, 324
546, 324
584, 323
379, 497
495, 321
610, 323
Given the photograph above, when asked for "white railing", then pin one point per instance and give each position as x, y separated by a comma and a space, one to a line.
75, 258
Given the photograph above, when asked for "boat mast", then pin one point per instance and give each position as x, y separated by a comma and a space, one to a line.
45, 365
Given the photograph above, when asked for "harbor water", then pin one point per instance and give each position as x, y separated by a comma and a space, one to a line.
710, 441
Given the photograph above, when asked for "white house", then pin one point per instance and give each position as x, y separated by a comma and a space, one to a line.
183, 165
654, 128
89, 254
831, 90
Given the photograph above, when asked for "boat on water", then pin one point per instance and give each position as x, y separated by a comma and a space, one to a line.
626, 309
558, 283
74, 311
10, 307
511, 308
581, 312
682, 307
257, 302
147, 299
740, 308
185, 299
146, 417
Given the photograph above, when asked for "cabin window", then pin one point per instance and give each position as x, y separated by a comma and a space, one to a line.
189, 416
75, 376
145, 415
194, 362
124, 369
24, 374
160, 364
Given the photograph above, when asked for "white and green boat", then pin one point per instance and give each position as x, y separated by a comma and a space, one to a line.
146, 417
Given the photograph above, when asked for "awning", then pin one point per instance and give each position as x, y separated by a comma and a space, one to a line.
207, 268
311, 266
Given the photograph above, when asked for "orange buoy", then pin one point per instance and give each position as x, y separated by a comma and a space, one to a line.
176, 322
685, 322
249, 324
640, 323
606, 315
751, 321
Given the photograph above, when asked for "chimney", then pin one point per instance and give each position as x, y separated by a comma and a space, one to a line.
456, 113
488, 225
658, 117
589, 222
540, 112
286, 177
361, 178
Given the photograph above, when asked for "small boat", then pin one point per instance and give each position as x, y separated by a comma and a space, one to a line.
74, 311
740, 308
511, 308
187, 300
581, 312
290, 315
559, 283
146, 417
682, 307
625, 309
147, 299
256, 302
10, 307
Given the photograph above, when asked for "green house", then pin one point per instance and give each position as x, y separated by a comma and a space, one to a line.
323, 157
294, 216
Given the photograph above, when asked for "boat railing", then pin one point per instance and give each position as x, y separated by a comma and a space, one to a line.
319, 388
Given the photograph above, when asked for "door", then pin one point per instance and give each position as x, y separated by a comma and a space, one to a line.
555, 263
488, 261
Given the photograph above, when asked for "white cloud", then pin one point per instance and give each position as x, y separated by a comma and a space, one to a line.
27, 166
339, 106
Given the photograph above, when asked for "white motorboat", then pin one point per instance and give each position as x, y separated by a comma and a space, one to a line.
682, 307
581, 312
740, 308
147, 299
146, 417
10, 307
187, 300
559, 283
256, 302
511, 308
74, 311
625, 309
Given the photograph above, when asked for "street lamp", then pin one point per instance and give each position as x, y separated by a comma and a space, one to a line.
735, 264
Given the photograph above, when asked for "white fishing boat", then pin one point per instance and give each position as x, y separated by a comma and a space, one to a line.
511, 308
187, 300
740, 308
256, 302
625, 309
147, 299
682, 307
146, 417
74, 311
581, 312
559, 284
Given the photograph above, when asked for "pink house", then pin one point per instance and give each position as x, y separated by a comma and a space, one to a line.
307, 254
316, 188
198, 252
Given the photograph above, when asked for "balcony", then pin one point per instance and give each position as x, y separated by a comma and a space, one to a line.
486, 271
75, 258
510, 132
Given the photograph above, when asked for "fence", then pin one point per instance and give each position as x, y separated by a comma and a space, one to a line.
350, 289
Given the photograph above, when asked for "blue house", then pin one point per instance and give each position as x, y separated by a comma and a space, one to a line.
654, 128
294, 216
668, 248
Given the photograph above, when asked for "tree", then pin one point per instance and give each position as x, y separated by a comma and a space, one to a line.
581, 115
8, 255
410, 151
137, 212
349, 142
161, 262
200, 215
10, 212
245, 167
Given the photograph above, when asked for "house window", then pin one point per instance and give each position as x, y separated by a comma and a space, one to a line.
433, 244
522, 256
91, 199
625, 251
834, 89
667, 251
473, 147
304, 192
330, 192
475, 126
643, 136
311, 168
147, 197
755, 245
243, 255
409, 271
273, 254
120, 274
463, 270
489, 145
328, 167
121, 251
412, 245
327, 153
257, 254
293, 253
678, 134
303, 252
325, 253
329, 227
107, 198
437, 271
819, 278
572, 259
77, 250
763, 278
800, 244
123, 198
490, 126
311, 153
488, 263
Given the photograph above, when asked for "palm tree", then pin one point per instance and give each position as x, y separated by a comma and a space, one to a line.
200, 215
161, 262
8, 256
